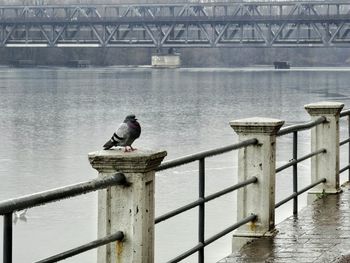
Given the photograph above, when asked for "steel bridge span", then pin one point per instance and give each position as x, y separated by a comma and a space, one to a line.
238, 24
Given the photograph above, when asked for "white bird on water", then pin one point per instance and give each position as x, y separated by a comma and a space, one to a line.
20, 215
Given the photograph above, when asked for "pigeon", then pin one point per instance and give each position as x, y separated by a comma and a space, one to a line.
127, 132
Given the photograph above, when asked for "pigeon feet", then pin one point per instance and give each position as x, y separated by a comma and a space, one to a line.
129, 149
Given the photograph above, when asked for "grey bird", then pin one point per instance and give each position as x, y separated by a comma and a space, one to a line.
128, 131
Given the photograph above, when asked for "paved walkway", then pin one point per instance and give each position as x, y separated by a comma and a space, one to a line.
320, 233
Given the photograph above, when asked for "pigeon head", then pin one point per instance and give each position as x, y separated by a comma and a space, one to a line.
131, 118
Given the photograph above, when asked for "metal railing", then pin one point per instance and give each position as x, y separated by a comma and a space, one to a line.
295, 160
202, 199
346, 113
8, 207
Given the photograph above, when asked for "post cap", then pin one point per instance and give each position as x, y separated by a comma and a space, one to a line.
324, 107
116, 160
257, 125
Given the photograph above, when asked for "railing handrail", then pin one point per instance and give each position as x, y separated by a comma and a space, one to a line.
32, 200
210, 240
301, 127
301, 159
344, 113
209, 153
301, 191
117, 236
204, 200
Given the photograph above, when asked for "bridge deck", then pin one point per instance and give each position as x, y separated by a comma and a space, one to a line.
262, 24
320, 233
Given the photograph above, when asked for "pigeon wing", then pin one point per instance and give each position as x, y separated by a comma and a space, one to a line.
118, 138
122, 132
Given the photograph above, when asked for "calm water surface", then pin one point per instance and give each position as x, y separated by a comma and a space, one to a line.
51, 118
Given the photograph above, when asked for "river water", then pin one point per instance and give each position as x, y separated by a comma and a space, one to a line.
50, 118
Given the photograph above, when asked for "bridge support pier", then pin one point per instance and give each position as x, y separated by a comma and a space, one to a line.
258, 161
166, 60
130, 208
325, 135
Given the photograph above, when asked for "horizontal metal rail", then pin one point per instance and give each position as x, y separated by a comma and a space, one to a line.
204, 154
344, 169
161, 5
302, 126
292, 196
138, 20
118, 236
204, 200
344, 142
345, 113
213, 238
292, 162
41, 198
323, 180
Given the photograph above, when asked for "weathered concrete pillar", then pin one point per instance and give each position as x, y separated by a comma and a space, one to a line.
259, 161
325, 135
129, 209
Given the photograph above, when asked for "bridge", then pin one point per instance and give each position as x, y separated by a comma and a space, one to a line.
238, 24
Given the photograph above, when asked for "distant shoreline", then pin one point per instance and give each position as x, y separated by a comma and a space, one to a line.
258, 68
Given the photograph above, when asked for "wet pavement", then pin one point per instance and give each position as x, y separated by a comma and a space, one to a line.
320, 233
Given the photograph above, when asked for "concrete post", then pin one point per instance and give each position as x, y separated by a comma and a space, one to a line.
325, 135
260, 161
129, 209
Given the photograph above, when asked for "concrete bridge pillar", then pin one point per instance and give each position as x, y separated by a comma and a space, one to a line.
259, 161
325, 135
170, 60
129, 209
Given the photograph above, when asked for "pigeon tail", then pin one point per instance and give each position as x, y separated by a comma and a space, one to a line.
109, 145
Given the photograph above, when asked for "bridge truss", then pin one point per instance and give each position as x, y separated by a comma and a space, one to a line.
238, 24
